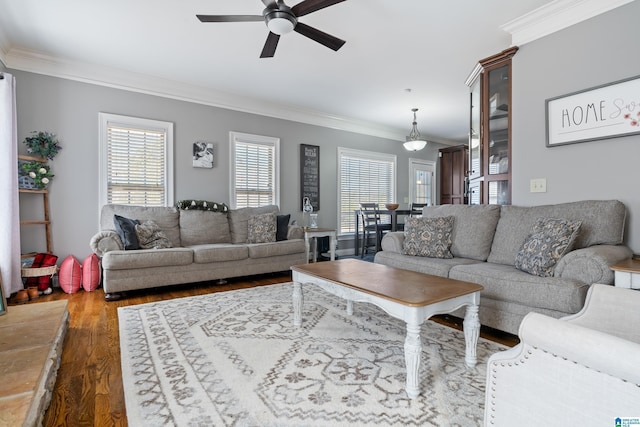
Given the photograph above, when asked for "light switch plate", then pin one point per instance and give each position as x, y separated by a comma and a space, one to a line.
538, 185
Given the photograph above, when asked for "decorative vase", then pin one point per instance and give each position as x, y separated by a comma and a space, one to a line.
307, 209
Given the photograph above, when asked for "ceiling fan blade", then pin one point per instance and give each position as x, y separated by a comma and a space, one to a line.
270, 45
271, 4
230, 18
321, 37
307, 6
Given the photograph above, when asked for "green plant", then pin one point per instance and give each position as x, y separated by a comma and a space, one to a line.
39, 172
43, 144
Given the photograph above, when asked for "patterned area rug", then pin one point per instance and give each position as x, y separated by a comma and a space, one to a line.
235, 359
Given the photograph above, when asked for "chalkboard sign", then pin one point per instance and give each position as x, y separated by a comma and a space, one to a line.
310, 175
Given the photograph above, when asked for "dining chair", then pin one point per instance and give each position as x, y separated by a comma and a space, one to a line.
371, 223
416, 209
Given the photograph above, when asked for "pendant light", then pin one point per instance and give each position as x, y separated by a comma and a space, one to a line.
414, 141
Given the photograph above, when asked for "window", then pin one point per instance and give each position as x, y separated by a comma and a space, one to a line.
363, 176
136, 161
255, 170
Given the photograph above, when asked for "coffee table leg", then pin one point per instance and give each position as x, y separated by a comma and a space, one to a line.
471, 328
297, 304
412, 354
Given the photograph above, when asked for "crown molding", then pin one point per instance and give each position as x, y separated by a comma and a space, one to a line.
38, 63
556, 16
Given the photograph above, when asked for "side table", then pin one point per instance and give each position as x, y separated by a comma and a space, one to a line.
627, 274
313, 233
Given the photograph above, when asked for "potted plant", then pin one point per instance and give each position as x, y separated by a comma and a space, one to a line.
42, 144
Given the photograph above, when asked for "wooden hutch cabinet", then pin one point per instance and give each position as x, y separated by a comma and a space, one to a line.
490, 130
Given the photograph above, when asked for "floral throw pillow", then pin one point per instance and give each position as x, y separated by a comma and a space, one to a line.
428, 237
262, 228
150, 236
549, 240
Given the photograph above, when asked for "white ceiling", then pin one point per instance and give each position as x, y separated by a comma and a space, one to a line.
429, 47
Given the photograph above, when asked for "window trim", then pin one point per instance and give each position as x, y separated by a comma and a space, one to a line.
135, 122
234, 138
368, 155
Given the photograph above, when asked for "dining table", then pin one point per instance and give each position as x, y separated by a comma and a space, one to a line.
393, 214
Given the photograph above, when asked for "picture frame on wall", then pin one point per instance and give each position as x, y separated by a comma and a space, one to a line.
202, 154
602, 112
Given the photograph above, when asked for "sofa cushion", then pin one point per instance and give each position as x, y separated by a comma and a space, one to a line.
602, 224
282, 227
434, 266
262, 228
239, 219
549, 240
285, 247
219, 252
428, 237
168, 219
507, 283
199, 227
151, 236
126, 229
125, 260
473, 228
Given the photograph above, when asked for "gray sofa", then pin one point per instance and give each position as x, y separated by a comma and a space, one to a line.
486, 239
205, 246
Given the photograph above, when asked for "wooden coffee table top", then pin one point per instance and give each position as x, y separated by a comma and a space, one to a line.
403, 286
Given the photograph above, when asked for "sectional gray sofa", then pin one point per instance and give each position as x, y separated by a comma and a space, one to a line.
485, 240
204, 246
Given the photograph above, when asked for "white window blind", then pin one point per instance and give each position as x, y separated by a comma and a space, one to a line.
255, 170
364, 177
136, 161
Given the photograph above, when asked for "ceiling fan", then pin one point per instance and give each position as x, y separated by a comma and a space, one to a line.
282, 19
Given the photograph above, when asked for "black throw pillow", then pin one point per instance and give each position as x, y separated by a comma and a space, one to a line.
282, 227
126, 229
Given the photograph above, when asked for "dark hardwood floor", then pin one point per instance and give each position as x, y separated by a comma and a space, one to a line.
88, 389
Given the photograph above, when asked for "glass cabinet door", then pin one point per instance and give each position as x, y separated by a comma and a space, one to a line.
475, 168
498, 109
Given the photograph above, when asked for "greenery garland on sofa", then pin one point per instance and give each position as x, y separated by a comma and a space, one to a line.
202, 205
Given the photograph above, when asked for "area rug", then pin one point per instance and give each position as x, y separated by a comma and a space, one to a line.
234, 359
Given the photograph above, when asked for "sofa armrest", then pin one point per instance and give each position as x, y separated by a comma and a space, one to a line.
295, 232
393, 242
592, 264
105, 241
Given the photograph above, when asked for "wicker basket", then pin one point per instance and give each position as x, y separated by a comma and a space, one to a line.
39, 271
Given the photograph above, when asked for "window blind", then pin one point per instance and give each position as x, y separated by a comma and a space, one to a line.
136, 161
255, 174
364, 178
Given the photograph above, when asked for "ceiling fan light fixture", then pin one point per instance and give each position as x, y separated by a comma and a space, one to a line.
414, 141
280, 23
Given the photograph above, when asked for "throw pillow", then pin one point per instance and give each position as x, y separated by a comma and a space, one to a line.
428, 237
126, 229
91, 273
70, 275
549, 240
282, 227
151, 237
262, 228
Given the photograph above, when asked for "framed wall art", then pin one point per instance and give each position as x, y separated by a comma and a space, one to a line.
310, 174
202, 155
607, 111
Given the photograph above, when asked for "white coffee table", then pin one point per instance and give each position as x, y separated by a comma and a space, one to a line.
407, 295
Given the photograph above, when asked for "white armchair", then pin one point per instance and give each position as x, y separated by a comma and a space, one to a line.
581, 370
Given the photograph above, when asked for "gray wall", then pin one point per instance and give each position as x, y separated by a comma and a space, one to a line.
598, 51
70, 109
